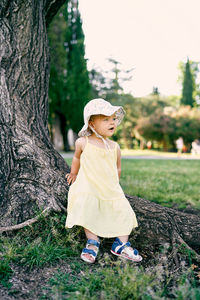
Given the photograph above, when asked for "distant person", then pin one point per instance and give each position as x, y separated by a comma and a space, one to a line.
96, 200
179, 145
195, 147
149, 145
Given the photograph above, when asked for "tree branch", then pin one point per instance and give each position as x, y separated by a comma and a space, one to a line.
51, 8
44, 213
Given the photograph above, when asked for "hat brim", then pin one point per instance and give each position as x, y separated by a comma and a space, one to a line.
118, 110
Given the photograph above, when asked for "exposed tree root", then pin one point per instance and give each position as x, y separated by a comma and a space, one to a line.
159, 225
63, 208
44, 213
183, 243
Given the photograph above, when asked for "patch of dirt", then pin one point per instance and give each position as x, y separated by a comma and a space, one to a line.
30, 284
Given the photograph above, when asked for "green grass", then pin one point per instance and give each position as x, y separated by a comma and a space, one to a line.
5, 273
47, 243
166, 182
121, 281
43, 243
171, 183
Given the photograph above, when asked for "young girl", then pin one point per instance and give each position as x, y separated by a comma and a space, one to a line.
95, 200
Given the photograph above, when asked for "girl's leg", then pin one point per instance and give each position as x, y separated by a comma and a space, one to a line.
124, 238
90, 236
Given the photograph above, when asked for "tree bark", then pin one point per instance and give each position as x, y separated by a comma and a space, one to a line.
31, 171
159, 225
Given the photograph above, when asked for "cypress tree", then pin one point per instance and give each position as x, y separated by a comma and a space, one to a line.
69, 88
188, 86
78, 86
57, 83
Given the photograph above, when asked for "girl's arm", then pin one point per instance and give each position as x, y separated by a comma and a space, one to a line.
79, 146
118, 161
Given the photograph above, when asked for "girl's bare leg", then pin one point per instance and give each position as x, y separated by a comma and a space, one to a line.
90, 236
124, 238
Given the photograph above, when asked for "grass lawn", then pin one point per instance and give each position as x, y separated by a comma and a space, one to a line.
171, 183
167, 182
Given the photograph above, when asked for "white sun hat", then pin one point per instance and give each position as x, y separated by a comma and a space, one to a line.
99, 107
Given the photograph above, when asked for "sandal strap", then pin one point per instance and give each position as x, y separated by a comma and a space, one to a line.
125, 250
93, 242
118, 246
130, 251
89, 251
119, 249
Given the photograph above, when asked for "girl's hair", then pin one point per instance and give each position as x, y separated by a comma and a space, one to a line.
92, 117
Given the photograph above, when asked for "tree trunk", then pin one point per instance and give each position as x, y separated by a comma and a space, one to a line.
31, 171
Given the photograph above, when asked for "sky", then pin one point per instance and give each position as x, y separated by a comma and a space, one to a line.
151, 36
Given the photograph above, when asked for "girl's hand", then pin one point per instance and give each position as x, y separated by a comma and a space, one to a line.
70, 178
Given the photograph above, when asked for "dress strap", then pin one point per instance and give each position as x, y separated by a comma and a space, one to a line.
86, 139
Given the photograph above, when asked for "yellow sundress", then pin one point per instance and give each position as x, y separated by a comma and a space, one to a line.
96, 200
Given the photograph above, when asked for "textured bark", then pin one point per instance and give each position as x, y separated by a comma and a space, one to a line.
158, 225
31, 171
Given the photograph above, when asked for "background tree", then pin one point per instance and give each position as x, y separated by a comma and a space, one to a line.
114, 93
125, 132
115, 86
78, 86
118, 76
136, 108
58, 73
69, 87
188, 85
187, 124
155, 91
166, 127
98, 83
158, 127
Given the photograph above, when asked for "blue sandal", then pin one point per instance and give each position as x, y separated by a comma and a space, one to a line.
124, 250
92, 252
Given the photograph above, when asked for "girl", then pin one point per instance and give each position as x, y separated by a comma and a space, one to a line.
95, 200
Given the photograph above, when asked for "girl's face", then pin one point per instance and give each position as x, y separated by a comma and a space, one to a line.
104, 125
